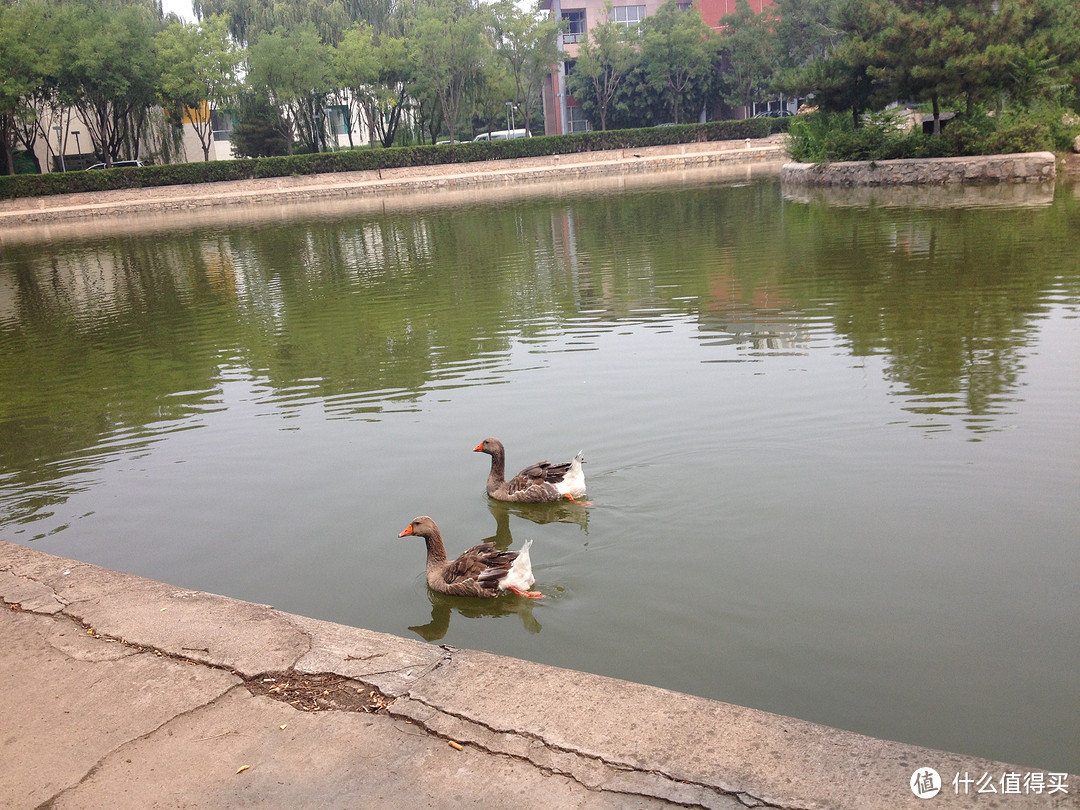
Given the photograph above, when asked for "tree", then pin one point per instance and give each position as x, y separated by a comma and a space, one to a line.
749, 55
112, 74
490, 94
871, 52
1055, 27
1032, 51
449, 49
292, 70
678, 52
638, 102
376, 70
848, 77
199, 66
249, 19
804, 31
355, 67
528, 45
24, 66
257, 131
924, 50
604, 59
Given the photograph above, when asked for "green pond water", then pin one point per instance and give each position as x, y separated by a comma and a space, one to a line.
832, 441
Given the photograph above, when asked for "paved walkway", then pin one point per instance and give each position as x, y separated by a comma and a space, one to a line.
122, 692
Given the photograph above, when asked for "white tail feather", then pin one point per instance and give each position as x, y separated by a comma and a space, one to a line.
520, 574
573, 483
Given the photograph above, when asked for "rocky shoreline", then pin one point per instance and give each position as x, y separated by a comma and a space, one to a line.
1029, 167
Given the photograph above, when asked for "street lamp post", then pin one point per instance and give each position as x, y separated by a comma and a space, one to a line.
60, 147
78, 145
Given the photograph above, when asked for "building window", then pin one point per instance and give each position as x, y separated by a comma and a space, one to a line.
575, 120
575, 31
683, 6
338, 119
222, 123
627, 15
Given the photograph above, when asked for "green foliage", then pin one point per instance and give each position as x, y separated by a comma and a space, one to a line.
1043, 128
604, 60
679, 54
448, 48
750, 54
112, 74
828, 137
293, 69
257, 132
199, 68
371, 159
859, 55
528, 45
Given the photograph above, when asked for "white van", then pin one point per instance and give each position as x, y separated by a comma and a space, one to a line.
502, 135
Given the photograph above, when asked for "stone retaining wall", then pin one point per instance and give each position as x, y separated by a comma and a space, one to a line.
377, 184
989, 169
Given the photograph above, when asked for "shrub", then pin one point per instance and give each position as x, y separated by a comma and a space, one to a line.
821, 137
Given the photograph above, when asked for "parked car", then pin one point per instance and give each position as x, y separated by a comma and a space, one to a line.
774, 114
502, 135
117, 164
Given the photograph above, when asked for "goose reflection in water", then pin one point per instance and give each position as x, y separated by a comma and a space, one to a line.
559, 512
442, 606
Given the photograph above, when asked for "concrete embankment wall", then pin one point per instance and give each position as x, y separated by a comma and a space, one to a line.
401, 183
1030, 167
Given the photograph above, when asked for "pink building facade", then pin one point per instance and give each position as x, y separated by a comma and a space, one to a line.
562, 114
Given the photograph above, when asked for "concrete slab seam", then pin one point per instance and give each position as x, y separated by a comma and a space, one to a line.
589, 770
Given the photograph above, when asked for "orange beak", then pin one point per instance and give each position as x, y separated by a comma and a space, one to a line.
479, 448
408, 531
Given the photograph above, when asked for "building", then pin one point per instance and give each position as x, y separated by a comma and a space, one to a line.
70, 148
562, 114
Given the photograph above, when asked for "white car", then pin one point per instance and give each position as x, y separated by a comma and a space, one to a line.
502, 135
117, 164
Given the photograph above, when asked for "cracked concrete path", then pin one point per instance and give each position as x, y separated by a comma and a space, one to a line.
122, 692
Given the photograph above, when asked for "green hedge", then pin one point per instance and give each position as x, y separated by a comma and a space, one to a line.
41, 185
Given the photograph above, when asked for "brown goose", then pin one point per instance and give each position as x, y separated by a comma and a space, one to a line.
542, 482
483, 570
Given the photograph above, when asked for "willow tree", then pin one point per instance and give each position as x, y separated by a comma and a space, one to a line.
249, 19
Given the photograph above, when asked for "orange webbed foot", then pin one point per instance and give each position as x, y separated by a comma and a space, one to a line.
526, 594
572, 499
